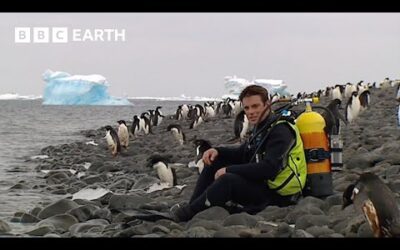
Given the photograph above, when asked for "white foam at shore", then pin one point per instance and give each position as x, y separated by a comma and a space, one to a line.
39, 157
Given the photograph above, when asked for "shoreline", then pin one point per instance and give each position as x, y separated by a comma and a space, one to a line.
365, 141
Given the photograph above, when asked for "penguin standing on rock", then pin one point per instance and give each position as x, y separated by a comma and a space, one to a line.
377, 202
158, 116
113, 141
241, 125
353, 107
201, 146
123, 134
165, 173
364, 99
333, 107
135, 128
177, 132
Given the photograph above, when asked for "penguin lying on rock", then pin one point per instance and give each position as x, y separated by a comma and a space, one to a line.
377, 202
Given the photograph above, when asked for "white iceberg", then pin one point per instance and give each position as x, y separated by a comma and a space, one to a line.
65, 89
235, 85
15, 96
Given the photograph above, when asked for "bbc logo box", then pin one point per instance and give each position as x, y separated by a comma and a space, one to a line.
41, 35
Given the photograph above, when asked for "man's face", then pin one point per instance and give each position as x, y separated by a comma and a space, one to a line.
254, 107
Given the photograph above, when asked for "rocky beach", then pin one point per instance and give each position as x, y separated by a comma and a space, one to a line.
97, 194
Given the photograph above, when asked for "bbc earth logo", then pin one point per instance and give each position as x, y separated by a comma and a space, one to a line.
65, 35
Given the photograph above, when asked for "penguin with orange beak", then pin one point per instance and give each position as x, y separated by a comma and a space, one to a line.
377, 202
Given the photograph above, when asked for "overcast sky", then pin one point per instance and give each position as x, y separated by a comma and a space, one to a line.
169, 54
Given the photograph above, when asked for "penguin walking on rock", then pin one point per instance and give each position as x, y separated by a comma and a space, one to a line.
330, 121
241, 125
377, 202
123, 134
197, 120
113, 141
145, 123
158, 116
165, 173
176, 130
201, 146
135, 128
353, 107
364, 97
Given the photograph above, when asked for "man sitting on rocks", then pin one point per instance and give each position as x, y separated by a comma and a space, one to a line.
268, 169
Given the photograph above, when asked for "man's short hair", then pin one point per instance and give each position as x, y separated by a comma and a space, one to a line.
254, 90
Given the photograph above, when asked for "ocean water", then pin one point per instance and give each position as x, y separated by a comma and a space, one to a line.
27, 126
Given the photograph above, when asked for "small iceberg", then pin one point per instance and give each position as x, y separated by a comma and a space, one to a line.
65, 89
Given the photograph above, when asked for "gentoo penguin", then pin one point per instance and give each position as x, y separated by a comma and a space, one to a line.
364, 99
112, 140
333, 107
352, 107
398, 93
158, 116
135, 128
226, 109
123, 133
201, 146
176, 130
196, 121
165, 173
377, 202
145, 123
241, 125
152, 116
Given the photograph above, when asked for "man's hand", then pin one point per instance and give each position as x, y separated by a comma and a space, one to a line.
219, 173
209, 156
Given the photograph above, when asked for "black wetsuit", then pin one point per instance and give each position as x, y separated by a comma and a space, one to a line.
245, 180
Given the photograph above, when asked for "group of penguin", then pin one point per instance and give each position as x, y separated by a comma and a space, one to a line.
369, 194
144, 122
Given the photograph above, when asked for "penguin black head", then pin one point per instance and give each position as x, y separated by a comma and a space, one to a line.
158, 107
156, 158
348, 196
171, 126
108, 128
121, 122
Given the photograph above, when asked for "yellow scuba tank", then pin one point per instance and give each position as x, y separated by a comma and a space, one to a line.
316, 146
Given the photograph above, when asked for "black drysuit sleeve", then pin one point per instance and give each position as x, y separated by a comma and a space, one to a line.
277, 146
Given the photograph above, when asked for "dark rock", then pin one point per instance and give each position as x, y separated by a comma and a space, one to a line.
213, 213
309, 220
29, 218
61, 222
126, 202
58, 207
4, 227
41, 230
318, 231
274, 213
199, 232
83, 213
241, 219
364, 231
225, 233
300, 233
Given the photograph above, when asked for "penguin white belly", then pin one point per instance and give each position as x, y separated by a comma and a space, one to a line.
123, 135
164, 173
245, 128
353, 110
200, 165
178, 136
110, 141
197, 122
141, 125
160, 118
336, 94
